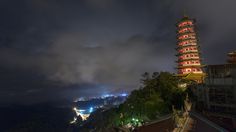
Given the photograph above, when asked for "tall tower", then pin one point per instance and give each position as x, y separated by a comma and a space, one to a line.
189, 60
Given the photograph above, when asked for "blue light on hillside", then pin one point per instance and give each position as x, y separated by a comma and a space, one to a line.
107, 95
91, 109
124, 94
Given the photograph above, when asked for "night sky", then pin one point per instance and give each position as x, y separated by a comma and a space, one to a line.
63, 49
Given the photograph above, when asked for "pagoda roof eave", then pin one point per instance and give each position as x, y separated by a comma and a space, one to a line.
185, 33
188, 59
188, 53
191, 66
181, 40
186, 26
184, 19
189, 45
193, 76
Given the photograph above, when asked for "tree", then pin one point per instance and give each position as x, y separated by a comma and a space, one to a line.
155, 98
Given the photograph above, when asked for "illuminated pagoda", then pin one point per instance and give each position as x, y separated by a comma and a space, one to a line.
189, 60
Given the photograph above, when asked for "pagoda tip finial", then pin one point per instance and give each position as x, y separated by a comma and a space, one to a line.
185, 14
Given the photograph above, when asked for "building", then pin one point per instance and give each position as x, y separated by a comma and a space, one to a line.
232, 57
220, 86
217, 95
189, 60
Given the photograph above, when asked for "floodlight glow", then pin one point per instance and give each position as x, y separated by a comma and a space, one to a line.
81, 112
124, 94
91, 109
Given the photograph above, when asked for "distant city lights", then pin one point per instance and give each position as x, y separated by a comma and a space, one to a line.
107, 95
91, 109
106, 101
124, 94
102, 96
74, 121
83, 113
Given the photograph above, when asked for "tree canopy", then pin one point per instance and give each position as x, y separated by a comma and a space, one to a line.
158, 93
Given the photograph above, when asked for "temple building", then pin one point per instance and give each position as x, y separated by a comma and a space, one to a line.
232, 57
189, 60
217, 96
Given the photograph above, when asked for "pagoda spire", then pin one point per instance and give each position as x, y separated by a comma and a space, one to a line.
185, 13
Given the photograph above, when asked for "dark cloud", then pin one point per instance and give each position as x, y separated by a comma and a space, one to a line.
216, 27
89, 47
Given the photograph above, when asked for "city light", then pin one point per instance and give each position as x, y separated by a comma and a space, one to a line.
108, 100
82, 113
107, 95
74, 120
91, 109
81, 110
124, 94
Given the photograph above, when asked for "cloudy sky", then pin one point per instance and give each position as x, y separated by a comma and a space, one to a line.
63, 49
